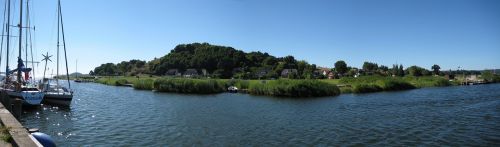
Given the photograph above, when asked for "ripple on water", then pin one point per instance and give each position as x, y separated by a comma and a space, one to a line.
104, 115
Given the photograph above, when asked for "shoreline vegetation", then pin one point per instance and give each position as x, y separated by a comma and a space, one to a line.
202, 68
279, 87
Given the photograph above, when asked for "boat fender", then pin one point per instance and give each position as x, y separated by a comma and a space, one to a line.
44, 139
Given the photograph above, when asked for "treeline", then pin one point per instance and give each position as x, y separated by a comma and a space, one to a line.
213, 61
126, 68
206, 60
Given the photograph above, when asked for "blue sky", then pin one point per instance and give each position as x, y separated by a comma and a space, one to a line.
450, 33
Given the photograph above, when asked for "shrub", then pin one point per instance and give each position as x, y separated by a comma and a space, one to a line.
442, 82
144, 84
366, 88
294, 88
187, 86
120, 82
393, 85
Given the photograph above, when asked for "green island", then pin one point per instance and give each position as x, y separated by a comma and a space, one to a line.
202, 68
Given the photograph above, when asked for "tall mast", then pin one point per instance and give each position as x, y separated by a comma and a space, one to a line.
3, 31
58, 28
8, 41
20, 41
64, 44
30, 41
26, 34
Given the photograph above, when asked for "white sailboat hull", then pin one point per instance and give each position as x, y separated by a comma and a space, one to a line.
28, 97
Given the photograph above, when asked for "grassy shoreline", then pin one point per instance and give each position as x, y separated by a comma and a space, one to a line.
281, 87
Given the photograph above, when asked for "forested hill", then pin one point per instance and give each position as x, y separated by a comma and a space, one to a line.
212, 60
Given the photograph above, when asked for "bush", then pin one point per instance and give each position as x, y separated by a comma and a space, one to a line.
393, 85
442, 82
428, 81
366, 88
187, 86
294, 88
144, 84
496, 79
120, 82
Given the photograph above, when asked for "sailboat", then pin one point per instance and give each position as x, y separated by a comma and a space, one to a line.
54, 92
20, 87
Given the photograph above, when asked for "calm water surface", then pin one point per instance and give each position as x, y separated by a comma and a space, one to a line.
119, 116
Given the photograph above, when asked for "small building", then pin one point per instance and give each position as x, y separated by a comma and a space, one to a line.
331, 75
190, 73
326, 72
323, 71
287, 72
173, 72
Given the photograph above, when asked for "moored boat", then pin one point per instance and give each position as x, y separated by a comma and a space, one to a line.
232, 89
30, 96
21, 86
56, 94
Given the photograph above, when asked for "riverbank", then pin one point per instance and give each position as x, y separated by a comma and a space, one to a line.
12, 132
367, 84
281, 87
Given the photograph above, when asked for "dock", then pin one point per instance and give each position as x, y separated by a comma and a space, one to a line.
20, 135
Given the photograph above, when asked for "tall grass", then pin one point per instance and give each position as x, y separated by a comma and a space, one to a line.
394, 84
428, 81
241, 84
294, 88
143, 84
282, 87
5, 135
442, 83
110, 81
180, 85
366, 88
377, 83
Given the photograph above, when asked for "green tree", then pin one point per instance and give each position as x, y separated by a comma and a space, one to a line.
395, 70
401, 71
370, 67
435, 68
487, 75
341, 67
352, 72
123, 67
269, 61
301, 66
417, 71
